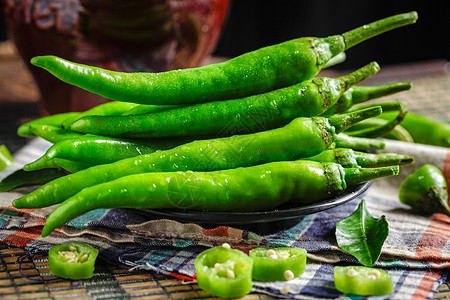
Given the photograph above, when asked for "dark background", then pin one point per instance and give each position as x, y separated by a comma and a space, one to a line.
254, 23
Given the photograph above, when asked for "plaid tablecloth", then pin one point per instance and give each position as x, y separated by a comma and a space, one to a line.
416, 253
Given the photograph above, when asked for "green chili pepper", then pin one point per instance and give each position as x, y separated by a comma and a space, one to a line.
278, 264
6, 158
425, 191
254, 188
363, 281
359, 94
74, 260
259, 71
303, 137
254, 113
112, 108
21, 178
357, 143
96, 150
52, 133
424, 130
355, 159
224, 272
53, 120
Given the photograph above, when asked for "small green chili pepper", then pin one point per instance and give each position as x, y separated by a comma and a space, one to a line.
53, 120
359, 94
96, 150
21, 178
224, 272
349, 158
425, 191
255, 188
68, 165
357, 143
74, 260
278, 264
303, 137
424, 130
258, 71
254, 113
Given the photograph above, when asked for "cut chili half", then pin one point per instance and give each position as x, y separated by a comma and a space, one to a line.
278, 264
224, 272
362, 281
73, 260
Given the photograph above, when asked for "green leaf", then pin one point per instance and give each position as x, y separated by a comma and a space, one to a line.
362, 235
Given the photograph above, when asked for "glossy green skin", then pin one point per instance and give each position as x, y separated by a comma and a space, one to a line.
254, 72
95, 150
53, 133
224, 118
360, 284
254, 188
146, 109
424, 130
425, 191
269, 269
59, 266
303, 137
53, 120
358, 94
113, 108
348, 158
21, 178
215, 281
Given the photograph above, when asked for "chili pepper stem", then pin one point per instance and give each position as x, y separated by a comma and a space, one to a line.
366, 93
355, 176
367, 160
344, 121
361, 74
362, 33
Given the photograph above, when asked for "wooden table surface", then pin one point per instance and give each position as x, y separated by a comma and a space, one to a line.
27, 277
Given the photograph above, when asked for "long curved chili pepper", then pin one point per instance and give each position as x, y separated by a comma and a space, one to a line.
96, 150
220, 118
303, 137
358, 94
254, 188
349, 158
258, 71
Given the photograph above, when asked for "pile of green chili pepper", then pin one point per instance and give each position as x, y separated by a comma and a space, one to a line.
248, 134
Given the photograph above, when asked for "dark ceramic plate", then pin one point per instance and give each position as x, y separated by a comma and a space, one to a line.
284, 212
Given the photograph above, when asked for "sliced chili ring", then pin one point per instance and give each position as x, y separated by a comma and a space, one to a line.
73, 260
224, 272
278, 264
362, 281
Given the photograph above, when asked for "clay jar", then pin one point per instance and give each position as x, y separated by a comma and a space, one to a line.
121, 35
